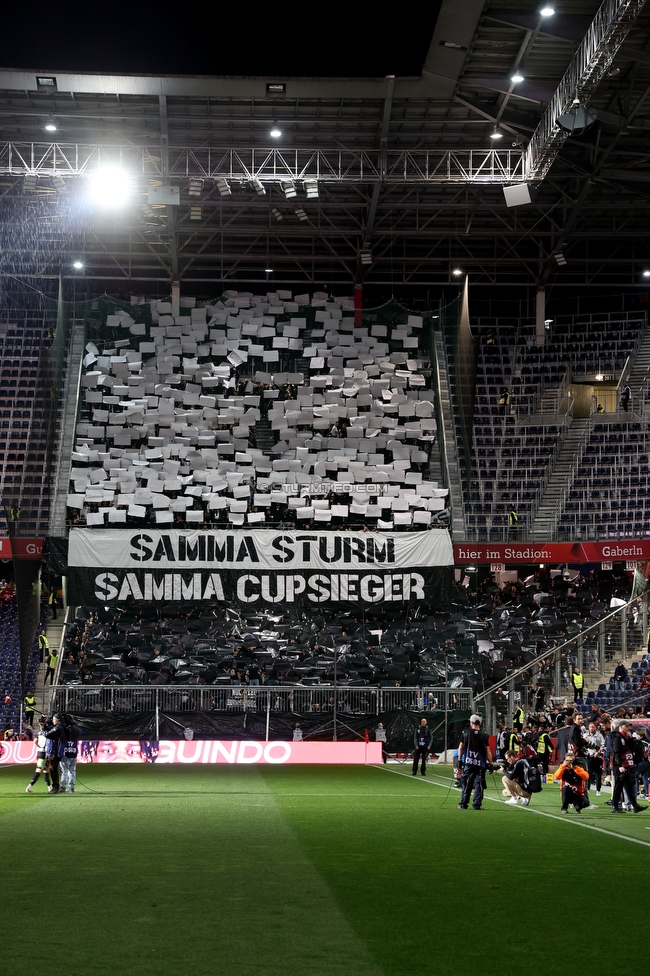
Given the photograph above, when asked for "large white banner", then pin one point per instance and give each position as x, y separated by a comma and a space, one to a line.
262, 549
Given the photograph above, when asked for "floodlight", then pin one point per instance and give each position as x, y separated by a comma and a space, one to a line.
496, 134
516, 78
560, 259
196, 212
365, 255
110, 187
646, 274
457, 271
276, 213
599, 377
50, 126
258, 186
224, 188
78, 265
311, 189
196, 187
268, 270
289, 189
275, 132
300, 214
58, 183
29, 183
546, 12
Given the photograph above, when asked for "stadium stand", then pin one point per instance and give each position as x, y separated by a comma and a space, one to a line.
255, 412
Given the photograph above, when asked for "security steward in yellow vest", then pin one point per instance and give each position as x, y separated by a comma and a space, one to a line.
578, 681
518, 718
544, 749
29, 706
43, 646
513, 742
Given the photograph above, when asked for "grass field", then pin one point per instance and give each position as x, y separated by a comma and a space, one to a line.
295, 870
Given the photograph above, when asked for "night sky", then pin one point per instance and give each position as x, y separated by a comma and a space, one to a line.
200, 38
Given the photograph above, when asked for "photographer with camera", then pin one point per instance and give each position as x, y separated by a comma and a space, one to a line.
515, 779
573, 777
474, 755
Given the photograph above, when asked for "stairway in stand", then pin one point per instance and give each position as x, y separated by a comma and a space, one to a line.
544, 525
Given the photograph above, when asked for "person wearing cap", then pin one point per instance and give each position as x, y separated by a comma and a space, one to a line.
474, 754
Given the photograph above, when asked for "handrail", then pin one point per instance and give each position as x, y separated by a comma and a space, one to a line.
552, 652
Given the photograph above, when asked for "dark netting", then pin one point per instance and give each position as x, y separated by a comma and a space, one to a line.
400, 726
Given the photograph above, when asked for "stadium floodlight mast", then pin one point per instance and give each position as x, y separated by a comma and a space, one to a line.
110, 187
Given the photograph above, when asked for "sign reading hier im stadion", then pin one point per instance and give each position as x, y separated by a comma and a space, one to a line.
256, 568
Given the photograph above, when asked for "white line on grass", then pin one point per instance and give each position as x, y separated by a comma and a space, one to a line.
543, 813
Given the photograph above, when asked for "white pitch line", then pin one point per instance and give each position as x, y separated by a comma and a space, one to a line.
543, 813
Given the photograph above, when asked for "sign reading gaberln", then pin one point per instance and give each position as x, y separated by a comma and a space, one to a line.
263, 567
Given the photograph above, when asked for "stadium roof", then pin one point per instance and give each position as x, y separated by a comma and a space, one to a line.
373, 179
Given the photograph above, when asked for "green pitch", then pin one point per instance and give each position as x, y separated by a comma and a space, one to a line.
307, 871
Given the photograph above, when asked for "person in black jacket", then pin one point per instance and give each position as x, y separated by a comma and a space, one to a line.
56, 738
474, 754
624, 766
422, 743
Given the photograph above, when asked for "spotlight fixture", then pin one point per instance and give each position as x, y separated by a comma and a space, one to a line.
224, 188
276, 213
275, 133
110, 187
495, 134
289, 189
646, 274
78, 265
559, 258
196, 187
300, 214
599, 377
311, 189
50, 126
258, 186
546, 11
457, 272
516, 78
365, 255
196, 212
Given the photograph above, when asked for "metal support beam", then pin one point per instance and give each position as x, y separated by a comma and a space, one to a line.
164, 165
590, 63
270, 165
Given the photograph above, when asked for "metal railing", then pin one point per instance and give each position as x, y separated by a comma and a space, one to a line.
320, 699
616, 636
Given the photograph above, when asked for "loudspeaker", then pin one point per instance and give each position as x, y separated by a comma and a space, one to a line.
517, 195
